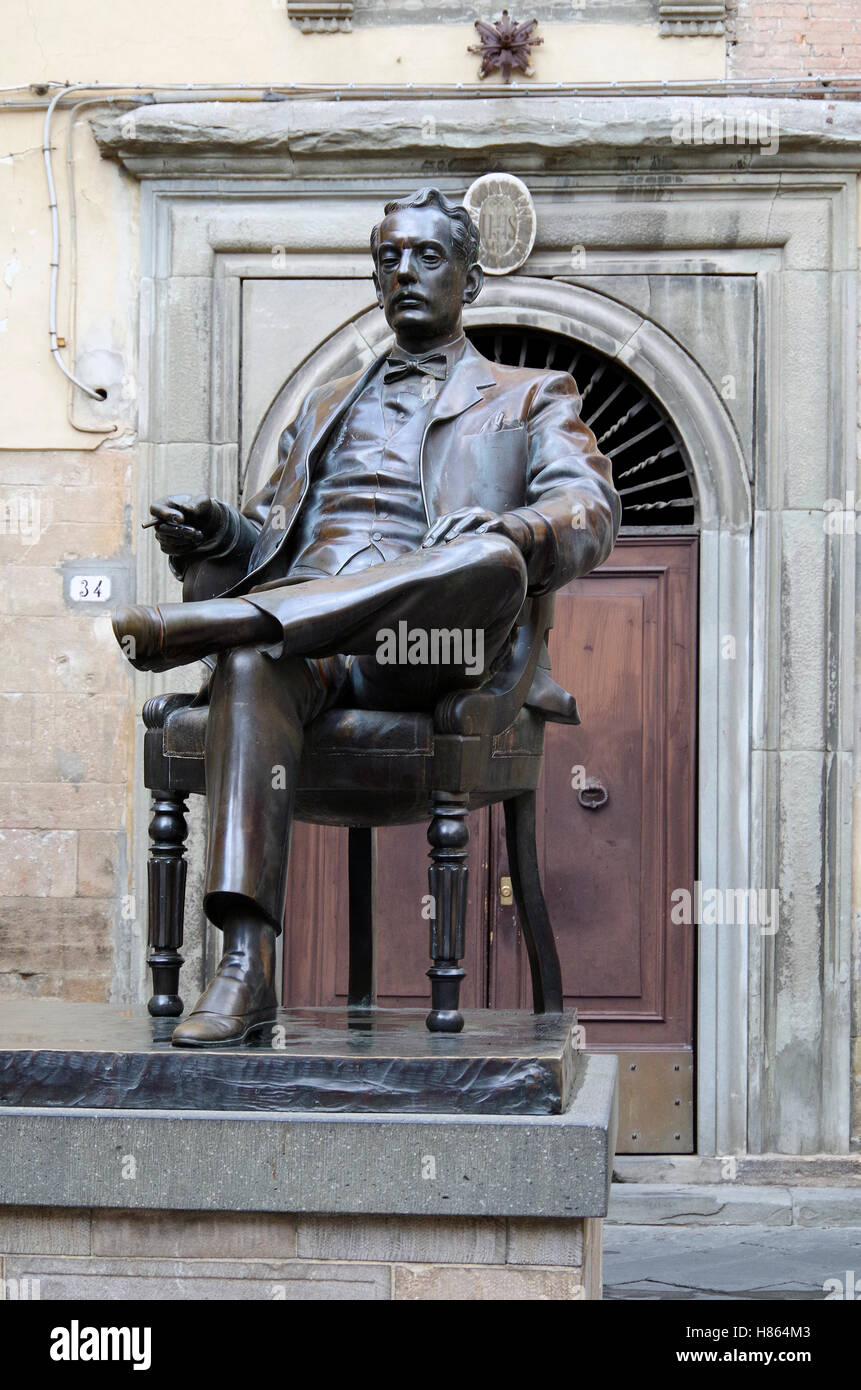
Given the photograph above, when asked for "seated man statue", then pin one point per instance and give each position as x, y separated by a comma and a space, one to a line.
434, 488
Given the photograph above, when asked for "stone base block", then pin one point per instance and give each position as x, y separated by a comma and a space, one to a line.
121, 1204
83, 1255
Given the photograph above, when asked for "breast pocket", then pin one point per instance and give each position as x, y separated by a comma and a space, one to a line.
496, 464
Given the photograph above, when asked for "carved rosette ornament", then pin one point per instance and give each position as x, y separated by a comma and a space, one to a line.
505, 46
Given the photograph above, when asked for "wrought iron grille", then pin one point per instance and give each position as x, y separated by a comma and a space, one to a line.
650, 468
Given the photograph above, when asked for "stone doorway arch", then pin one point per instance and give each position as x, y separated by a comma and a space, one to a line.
727, 800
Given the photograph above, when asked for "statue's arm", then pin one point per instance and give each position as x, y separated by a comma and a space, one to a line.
573, 510
222, 560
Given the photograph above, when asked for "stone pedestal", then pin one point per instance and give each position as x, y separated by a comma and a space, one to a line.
121, 1203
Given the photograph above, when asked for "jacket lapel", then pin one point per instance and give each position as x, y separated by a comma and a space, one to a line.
470, 375
464, 388
329, 414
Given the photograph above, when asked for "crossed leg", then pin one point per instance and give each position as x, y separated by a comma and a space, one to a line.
476, 582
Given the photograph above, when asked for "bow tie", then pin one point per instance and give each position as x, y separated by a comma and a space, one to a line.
400, 366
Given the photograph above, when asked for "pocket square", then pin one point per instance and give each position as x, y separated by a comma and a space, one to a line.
499, 422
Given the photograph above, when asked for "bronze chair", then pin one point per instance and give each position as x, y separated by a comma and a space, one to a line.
363, 768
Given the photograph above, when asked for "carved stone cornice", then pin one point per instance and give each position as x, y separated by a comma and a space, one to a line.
313, 137
321, 16
679, 18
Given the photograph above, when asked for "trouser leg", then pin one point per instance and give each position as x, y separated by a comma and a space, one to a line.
254, 737
476, 583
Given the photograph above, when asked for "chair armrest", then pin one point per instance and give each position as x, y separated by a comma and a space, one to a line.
495, 706
156, 710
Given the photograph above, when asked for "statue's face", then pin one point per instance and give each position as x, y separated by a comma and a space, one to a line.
421, 279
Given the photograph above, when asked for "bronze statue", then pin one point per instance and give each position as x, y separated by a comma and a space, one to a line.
414, 503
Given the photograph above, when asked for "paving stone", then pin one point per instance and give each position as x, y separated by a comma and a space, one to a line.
826, 1207
745, 1263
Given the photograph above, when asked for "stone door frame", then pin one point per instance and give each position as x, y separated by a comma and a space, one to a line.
776, 730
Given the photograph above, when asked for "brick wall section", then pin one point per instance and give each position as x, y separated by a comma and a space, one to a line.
791, 38
65, 726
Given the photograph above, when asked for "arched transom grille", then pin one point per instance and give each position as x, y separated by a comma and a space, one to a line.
650, 468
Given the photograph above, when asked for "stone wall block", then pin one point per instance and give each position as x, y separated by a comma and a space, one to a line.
533, 1242
194, 1235
403, 1239
117, 1280
458, 1283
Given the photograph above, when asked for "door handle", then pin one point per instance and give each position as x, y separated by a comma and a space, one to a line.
594, 795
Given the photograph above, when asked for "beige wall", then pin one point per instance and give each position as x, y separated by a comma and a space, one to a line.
254, 41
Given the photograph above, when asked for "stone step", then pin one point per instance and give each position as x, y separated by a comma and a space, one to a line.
731, 1204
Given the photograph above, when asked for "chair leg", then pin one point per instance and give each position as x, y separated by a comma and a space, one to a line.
448, 878
361, 856
166, 872
531, 907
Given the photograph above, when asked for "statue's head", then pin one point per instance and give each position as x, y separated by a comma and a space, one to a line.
425, 254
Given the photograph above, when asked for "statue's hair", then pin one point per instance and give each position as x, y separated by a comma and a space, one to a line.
464, 233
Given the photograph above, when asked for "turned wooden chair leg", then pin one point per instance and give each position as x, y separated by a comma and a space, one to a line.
531, 907
448, 878
166, 872
361, 856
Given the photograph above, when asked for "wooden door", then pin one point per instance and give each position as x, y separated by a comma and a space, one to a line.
316, 938
624, 643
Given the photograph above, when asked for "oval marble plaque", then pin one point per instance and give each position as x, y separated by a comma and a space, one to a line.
502, 208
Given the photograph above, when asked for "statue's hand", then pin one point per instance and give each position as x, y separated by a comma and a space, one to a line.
185, 522
479, 521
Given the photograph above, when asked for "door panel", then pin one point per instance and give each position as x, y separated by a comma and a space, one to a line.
624, 642
316, 941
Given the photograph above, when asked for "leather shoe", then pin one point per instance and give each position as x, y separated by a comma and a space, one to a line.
140, 632
241, 999
175, 634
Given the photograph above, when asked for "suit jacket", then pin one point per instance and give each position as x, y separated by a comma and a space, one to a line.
503, 438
